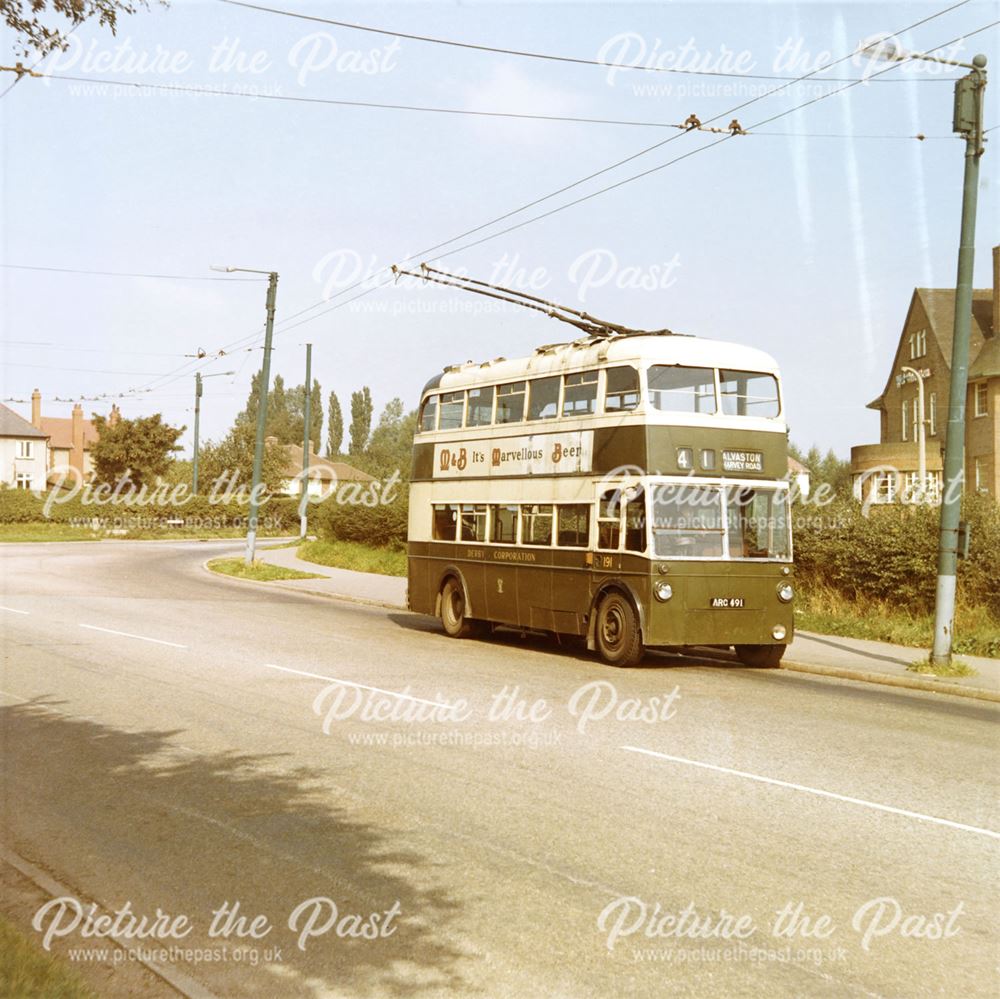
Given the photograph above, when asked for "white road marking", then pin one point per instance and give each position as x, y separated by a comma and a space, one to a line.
12, 610
816, 791
350, 683
126, 634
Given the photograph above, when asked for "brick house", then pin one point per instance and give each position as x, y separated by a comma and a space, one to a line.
70, 438
888, 471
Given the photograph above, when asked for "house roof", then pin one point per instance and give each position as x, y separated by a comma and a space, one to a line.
12, 425
60, 430
321, 468
987, 362
796, 466
939, 306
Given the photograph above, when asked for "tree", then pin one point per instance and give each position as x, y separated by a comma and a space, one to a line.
297, 415
278, 415
143, 447
391, 443
335, 427
232, 457
361, 420
32, 35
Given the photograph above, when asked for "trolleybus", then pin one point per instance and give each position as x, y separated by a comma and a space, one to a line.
628, 489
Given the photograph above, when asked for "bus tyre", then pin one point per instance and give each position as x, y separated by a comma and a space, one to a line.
760, 656
456, 624
619, 640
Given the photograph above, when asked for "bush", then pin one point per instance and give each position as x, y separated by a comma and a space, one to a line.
383, 526
891, 555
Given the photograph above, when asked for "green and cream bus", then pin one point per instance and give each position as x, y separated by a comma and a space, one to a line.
629, 489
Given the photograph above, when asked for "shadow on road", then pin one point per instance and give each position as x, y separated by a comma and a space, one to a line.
131, 816
573, 647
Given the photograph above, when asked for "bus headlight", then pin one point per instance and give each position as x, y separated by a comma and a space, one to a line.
663, 590
778, 631
785, 593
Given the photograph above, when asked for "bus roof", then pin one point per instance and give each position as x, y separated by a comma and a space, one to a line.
578, 355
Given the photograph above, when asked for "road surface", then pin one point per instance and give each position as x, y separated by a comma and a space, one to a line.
499, 818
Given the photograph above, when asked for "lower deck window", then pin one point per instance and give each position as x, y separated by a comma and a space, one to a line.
758, 523
473, 524
609, 520
536, 524
504, 525
445, 520
573, 530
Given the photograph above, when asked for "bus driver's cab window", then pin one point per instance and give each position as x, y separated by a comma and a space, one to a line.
609, 520
635, 520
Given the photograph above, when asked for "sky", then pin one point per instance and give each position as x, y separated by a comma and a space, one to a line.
806, 243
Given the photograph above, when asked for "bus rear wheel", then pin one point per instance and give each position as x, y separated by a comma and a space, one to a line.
456, 624
617, 633
760, 656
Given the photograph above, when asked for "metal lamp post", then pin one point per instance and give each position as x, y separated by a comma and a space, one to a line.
968, 122
265, 380
197, 414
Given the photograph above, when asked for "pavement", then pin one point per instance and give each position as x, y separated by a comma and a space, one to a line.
489, 818
830, 655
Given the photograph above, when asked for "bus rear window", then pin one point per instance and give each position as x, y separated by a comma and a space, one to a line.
428, 413
678, 389
622, 392
748, 393
510, 402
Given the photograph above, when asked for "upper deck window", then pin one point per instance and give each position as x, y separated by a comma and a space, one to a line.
679, 389
748, 393
452, 410
428, 413
580, 394
622, 391
543, 401
510, 402
480, 406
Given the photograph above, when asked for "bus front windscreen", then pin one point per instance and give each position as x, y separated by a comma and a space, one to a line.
738, 522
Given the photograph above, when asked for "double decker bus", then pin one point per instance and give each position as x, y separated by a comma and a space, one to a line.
628, 489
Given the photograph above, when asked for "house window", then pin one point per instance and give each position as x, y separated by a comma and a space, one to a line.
26, 449
932, 414
918, 344
23, 480
978, 477
980, 405
885, 487
906, 419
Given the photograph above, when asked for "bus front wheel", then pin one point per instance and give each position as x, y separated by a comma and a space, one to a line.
456, 624
619, 639
760, 656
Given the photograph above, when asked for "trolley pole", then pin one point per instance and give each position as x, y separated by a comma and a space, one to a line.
197, 414
968, 121
306, 444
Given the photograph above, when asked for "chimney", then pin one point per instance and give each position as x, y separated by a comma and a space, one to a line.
996, 290
115, 415
36, 409
76, 454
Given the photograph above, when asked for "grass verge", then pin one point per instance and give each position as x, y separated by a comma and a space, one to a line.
827, 612
260, 572
955, 668
46, 532
26, 970
350, 555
